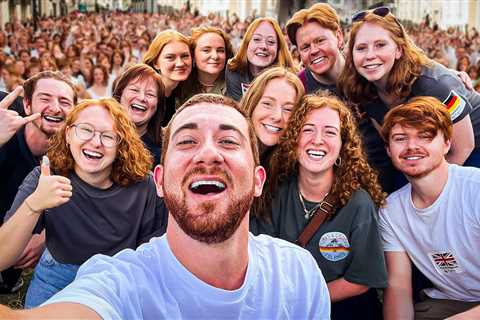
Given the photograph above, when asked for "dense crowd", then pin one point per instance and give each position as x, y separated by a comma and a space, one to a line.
144, 157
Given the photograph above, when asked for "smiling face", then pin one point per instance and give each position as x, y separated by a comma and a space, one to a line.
319, 142
271, 115
210, 53
93, 161
175, 61
208, 177
263, 47
374, 53
319, 47
53, 99
140, 98
415, 152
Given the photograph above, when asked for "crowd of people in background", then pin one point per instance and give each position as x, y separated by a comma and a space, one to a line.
344, 120
93, 49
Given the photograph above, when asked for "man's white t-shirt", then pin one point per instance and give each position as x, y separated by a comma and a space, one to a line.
443, 240
282, 281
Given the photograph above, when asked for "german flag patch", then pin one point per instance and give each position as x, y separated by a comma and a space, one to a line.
455, 104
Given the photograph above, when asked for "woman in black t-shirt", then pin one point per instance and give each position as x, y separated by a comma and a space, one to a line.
321, 154
95, 196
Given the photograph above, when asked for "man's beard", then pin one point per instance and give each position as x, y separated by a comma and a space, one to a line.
209, 225
48, 132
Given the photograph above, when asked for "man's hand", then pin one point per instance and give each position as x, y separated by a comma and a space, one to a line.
11, 121
32, 253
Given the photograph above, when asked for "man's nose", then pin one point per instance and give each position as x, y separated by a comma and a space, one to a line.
208, 153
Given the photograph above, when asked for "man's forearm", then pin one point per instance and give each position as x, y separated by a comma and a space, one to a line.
398, 304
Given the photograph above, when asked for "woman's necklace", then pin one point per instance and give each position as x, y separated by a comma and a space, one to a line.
311, 212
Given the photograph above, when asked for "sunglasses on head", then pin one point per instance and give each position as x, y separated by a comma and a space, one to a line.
380, 11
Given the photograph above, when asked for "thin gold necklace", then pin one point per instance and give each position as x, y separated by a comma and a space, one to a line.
311, 212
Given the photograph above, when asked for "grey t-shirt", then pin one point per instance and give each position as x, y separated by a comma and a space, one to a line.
97, 220
441, 83
348, 245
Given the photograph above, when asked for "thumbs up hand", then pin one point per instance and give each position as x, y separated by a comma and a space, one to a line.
10, 120
52, 190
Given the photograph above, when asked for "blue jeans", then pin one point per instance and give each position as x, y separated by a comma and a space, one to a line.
49, 278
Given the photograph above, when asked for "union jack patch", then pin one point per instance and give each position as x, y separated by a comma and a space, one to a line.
445, 262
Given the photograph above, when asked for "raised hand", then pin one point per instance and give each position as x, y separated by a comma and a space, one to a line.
51, 191
10, 120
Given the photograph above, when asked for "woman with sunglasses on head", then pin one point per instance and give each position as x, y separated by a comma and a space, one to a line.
95, 196
211, 49
139, 89
320, 163
384, 68
263, 46
169, 54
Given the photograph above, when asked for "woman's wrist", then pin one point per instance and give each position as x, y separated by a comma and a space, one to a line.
32, 207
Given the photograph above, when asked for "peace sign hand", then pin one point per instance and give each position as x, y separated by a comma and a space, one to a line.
10, 120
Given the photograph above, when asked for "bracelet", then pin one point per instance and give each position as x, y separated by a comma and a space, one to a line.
31, 209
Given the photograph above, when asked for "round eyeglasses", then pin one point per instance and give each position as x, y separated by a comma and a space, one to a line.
85, 132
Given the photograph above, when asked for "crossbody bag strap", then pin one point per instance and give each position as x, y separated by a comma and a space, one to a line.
324, 211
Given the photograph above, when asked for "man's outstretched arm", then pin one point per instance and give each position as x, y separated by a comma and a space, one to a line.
52, 311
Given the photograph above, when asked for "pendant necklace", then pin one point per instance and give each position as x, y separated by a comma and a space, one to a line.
309, 213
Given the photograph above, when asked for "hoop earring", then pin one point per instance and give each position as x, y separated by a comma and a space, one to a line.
338, 161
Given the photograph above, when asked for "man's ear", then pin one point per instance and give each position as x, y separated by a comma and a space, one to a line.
158, 177
27, 106
260, 176
448, 145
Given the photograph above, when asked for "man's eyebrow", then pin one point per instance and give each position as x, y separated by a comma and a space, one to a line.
186, 126
228, 127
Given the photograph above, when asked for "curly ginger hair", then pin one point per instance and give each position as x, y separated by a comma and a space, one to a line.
132, 162
353, 173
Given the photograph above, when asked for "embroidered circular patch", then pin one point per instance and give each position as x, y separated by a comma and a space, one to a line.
334, 246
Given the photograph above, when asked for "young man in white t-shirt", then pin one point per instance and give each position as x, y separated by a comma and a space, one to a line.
434, 221
207, 266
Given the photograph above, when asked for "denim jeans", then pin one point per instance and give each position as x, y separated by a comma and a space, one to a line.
49, 278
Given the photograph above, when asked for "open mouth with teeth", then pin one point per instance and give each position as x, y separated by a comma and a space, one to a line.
372, 66
138, 107
318, 60
413, 157
55, 119
316, 154
92, 155
272, 129
262, 54
207, 187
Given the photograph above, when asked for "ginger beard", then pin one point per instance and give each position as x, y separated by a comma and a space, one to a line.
208, 222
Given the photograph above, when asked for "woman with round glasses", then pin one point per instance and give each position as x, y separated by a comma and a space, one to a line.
139, 89
169, 54
263, 46
320, 155
95, 196
384, 68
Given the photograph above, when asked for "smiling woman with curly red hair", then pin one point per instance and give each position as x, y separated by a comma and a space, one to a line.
321, 154
96, 195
